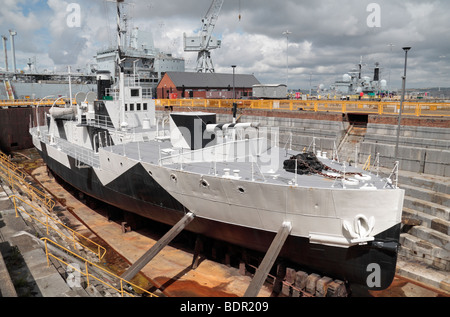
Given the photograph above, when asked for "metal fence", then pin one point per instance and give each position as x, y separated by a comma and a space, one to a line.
416, 108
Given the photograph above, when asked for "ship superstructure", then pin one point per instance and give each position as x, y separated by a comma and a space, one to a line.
355, 83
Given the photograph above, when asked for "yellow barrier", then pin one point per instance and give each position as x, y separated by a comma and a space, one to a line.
416, 108
75, 238
88, 275
35, 102
17, 178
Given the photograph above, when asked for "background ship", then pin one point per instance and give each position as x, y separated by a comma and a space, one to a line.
139, 56
354, 83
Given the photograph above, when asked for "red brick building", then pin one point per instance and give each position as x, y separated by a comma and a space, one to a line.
205, 85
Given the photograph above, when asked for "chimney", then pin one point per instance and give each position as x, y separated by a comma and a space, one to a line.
376, 76
4, 38
13, 51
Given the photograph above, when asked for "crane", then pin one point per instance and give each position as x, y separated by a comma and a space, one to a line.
205, 42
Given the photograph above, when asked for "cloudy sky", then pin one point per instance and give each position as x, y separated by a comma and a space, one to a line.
328, 38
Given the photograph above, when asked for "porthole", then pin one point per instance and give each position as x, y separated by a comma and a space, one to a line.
204, 183
150, 173
241, 190
173, 178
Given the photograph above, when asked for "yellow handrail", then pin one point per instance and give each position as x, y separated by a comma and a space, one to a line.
100, 251
366, 166
413, 108
34, 102
88, 275
16, 177
366, 106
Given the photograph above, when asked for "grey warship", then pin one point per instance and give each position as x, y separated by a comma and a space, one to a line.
234, 178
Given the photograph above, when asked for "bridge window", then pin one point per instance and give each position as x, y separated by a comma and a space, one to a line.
135, 93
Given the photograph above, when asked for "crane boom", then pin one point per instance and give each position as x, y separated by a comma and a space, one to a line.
205, 42
210, 20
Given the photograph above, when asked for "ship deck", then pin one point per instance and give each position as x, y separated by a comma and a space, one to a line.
267, 167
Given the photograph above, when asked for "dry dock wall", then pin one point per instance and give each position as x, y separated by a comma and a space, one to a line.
424, 145
299, 133
15, 124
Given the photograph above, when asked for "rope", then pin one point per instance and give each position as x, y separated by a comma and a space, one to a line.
313, 170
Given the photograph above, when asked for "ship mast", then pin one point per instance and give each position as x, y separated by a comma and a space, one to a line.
124, 124
121, 80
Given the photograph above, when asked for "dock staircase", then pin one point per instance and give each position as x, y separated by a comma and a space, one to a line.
425, 237
348, 148
42, 257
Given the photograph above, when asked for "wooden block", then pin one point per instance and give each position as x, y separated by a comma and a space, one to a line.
311, 283
322, 286
300, 280
337, 289
290, 276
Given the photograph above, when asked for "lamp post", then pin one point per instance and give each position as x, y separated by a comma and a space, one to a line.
287, 56
390, 68
406, 49
234, 96
234, 92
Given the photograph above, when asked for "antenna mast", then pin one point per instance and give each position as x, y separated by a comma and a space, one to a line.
119, 30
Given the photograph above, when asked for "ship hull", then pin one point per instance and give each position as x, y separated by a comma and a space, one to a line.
137, 192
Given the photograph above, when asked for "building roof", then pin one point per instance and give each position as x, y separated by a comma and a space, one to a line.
211, 80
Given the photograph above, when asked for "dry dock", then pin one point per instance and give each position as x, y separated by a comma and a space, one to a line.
170, 273
360, 130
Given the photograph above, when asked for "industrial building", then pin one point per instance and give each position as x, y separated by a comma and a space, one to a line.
277, 91
205, 85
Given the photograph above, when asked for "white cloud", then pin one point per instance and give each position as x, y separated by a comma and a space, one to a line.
328, 37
